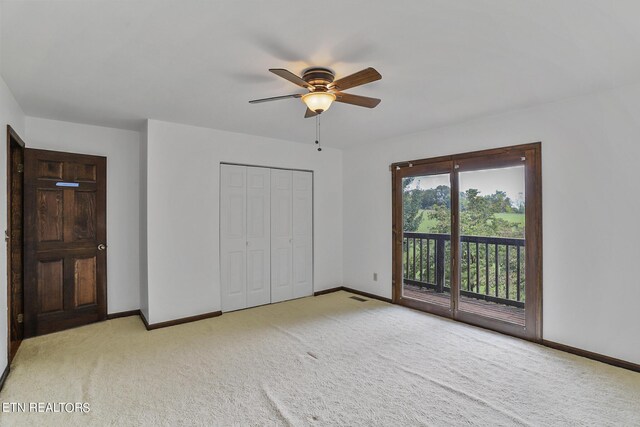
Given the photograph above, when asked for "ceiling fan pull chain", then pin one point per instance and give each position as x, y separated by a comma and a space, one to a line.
319, 148
318, 132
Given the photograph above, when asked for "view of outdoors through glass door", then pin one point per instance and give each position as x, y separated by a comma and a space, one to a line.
426, 258
492, 244
465, 249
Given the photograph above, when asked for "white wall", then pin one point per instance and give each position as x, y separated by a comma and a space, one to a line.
183, 211
591, 233
122, 149
10, 113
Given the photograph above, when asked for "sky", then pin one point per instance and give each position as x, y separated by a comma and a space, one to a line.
510, 180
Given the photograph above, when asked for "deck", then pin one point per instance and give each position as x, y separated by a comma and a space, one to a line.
467, 304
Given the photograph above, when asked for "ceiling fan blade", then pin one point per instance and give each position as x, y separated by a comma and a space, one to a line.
309, 113
360, 101
274, 98
360, 78
288, 75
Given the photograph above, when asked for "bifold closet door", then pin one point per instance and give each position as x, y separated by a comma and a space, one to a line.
258, 236
245, 258
266, 241
291, 234
281, 235
302, 234
233, 237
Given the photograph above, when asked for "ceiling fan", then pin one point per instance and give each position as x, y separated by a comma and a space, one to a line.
324, 89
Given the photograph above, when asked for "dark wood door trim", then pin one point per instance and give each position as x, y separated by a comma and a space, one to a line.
485, 159
14, 239
533, 236
467, 157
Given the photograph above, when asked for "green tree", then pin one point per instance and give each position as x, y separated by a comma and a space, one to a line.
411, 215
442, 215
478, 216
500, 202
443, 196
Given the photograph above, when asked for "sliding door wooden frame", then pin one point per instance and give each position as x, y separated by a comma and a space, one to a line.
424, 169
528, 155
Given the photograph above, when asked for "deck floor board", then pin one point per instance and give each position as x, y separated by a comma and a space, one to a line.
471, 305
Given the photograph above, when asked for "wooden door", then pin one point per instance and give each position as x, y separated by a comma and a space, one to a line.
302, 234
258, 236
233, 237
281, 235
15, 259
65, 241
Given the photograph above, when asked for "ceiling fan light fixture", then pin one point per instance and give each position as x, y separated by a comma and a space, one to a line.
318, 101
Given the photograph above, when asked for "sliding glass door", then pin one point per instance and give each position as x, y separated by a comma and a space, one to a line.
492, 221
426, 236
467, 239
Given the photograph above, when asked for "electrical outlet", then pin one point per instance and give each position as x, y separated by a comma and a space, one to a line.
375, 277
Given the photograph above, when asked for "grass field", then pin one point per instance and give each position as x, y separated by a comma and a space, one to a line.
427, 224
511, 217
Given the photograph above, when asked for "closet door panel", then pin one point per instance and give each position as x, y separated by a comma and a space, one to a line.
258, 236
233, 237
281, 235
302, 234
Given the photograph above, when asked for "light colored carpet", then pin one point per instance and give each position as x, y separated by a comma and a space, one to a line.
327, 360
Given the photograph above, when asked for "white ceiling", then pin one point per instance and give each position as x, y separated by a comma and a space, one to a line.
115, 63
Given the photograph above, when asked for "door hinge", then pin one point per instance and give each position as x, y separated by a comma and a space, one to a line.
20, 318
20, 167
6, 236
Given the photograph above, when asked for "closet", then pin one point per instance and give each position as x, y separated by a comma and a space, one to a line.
266, 235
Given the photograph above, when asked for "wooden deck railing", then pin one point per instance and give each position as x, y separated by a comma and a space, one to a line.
492, 268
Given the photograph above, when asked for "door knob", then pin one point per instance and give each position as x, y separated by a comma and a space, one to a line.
102, 247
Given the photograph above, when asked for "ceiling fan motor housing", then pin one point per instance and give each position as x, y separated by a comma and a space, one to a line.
318, 77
